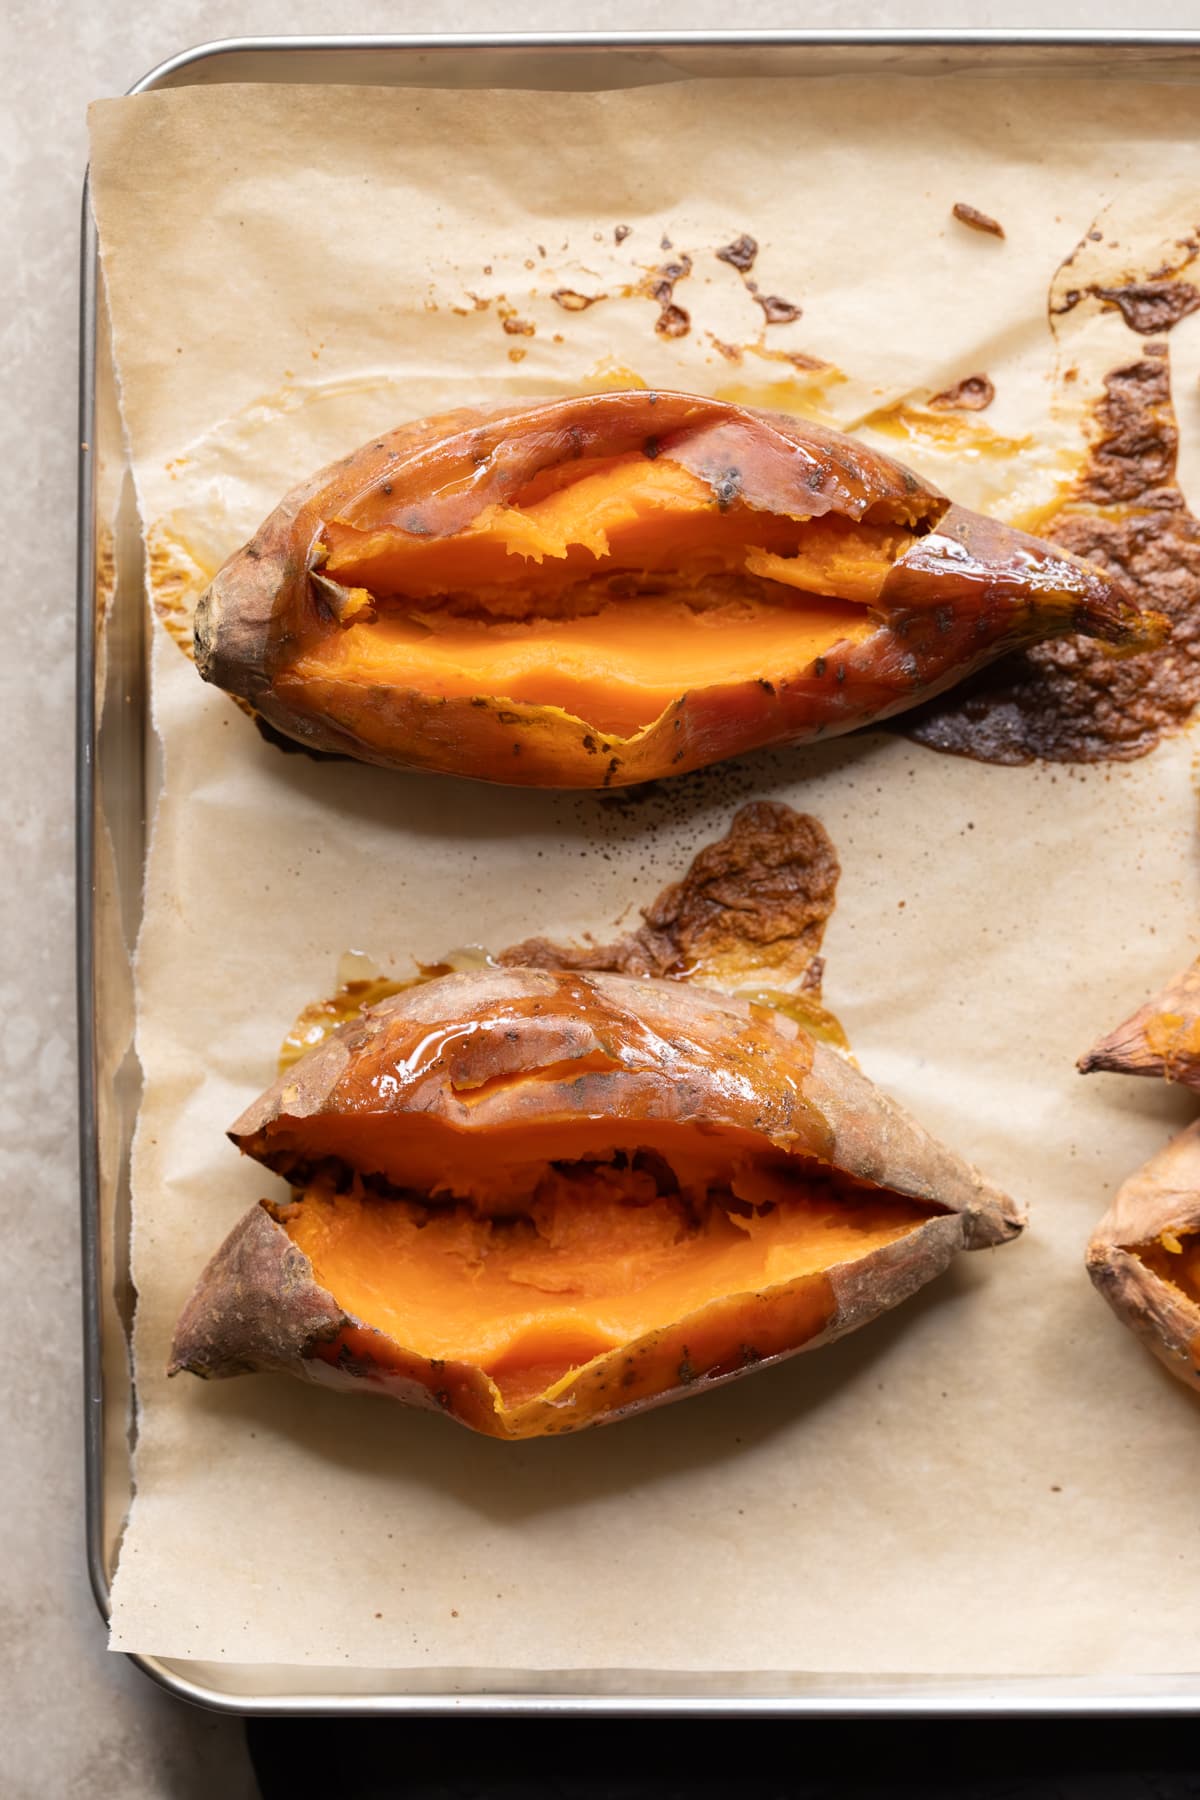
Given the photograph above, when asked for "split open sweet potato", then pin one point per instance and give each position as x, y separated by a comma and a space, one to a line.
1161, 1038
538, 1200
607, 589
1144, 1256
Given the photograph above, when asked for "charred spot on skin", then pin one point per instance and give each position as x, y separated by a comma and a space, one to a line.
819, 666
728, 488
650, 448
416, 526
768, 687
972, 394
976, 220
611, 770
685, 1372
292, 746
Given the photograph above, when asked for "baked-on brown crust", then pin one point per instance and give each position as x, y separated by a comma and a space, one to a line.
978, 221
753, 905
1163, 1197
1068, 701
968, 590
475, 1053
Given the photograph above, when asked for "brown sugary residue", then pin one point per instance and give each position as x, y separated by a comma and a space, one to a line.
971, 394
736, 353
741, 255
1147, 307
106, 572
776, 311
1071, 701
978, 221
673, 321
748, 915
176, 580
753, 904
570, 301
1150, 307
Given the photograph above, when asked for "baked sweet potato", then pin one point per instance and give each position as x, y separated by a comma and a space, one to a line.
539, 1200
603, 590
1145, 1255
1161, 1038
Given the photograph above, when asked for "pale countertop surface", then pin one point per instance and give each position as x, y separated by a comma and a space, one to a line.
79, 1722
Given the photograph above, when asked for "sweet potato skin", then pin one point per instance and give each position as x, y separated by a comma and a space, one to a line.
1161, 1038
474, 1051
1163, 1196
968, 590
491, 1048
227, 1330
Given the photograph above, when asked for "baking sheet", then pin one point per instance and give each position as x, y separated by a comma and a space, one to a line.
292, 270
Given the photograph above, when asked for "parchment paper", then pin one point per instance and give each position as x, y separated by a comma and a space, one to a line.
996, 1478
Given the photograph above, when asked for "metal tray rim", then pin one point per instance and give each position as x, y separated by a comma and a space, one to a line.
1002, 1698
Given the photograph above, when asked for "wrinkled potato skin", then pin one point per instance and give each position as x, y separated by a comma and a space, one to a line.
1164, 1195
1161, 1038
966, 592
653, 1051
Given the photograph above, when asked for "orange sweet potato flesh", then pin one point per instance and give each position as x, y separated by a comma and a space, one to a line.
617, 587
1144, 1256
538, 1200
1162, 1038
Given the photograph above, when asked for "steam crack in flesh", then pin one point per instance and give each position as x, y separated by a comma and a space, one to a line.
602, 590
605, 590
593, 1254
541, 1199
